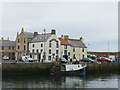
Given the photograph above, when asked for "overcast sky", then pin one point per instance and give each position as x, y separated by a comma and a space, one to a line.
96, 22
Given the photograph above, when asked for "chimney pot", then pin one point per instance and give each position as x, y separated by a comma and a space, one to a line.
53, 31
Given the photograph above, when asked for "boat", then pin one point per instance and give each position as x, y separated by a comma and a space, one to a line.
68, 69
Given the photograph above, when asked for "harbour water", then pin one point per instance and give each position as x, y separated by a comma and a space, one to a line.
100, 80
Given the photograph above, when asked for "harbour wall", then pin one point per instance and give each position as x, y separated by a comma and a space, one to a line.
43, 68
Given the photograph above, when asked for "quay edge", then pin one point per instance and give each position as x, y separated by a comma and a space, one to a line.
43, 68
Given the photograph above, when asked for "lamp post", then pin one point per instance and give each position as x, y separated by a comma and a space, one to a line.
44, 44
108, 49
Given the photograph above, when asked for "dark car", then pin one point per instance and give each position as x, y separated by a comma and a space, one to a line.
88, 60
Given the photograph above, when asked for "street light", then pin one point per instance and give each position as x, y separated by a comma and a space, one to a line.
44, 44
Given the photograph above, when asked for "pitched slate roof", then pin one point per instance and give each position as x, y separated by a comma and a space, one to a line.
76, 43
41, 38
7, 43
63, 42
29, 34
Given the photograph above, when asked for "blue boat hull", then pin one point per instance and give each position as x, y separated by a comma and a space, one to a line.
66, 73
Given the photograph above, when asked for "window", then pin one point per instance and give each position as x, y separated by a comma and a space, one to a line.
41, 45
57, 57
68, 53
50, 45
2, 47
83, 56
57, 51
9, 54
49, 51
73, 49
18, 40
74, 56
33, 51
57, 45
24, 47
49, 57
18, 47
65, 46
33, 45
12, 48
65, 52
82, 49
37, 51
24, 40
9, 48
41, 50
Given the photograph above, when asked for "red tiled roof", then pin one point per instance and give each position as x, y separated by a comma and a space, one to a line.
64, 42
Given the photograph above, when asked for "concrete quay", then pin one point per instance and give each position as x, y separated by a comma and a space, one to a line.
43, 68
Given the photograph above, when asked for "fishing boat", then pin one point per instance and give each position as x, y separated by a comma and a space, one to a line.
68, 69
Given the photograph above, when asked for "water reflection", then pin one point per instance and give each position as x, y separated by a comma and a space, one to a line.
45, 81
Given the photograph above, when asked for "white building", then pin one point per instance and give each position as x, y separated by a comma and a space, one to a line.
45, 47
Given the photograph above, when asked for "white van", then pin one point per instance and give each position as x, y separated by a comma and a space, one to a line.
27, 59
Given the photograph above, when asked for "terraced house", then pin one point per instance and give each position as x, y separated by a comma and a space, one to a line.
74, 49
22, 43
45, 47
7, 48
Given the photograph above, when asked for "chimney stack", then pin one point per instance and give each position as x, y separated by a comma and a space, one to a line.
53, 31
35, 33
2, 39
17, 34
8, 38
22, 30
81, 39
66, 37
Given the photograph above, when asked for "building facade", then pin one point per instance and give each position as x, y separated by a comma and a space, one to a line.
45, 47
22, 43
77, 49
7, 48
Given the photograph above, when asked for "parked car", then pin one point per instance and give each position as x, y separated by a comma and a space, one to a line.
27, 59
88, 60
63, 60
5, 58
103, 59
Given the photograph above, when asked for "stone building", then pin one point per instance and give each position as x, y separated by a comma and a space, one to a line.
7, 48
45, 47
22, 43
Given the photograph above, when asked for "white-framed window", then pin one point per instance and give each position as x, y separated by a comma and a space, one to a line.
33, 45
65, 46
41, 45
82, 49
57, 51
49, 51
82, 56
49, 58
